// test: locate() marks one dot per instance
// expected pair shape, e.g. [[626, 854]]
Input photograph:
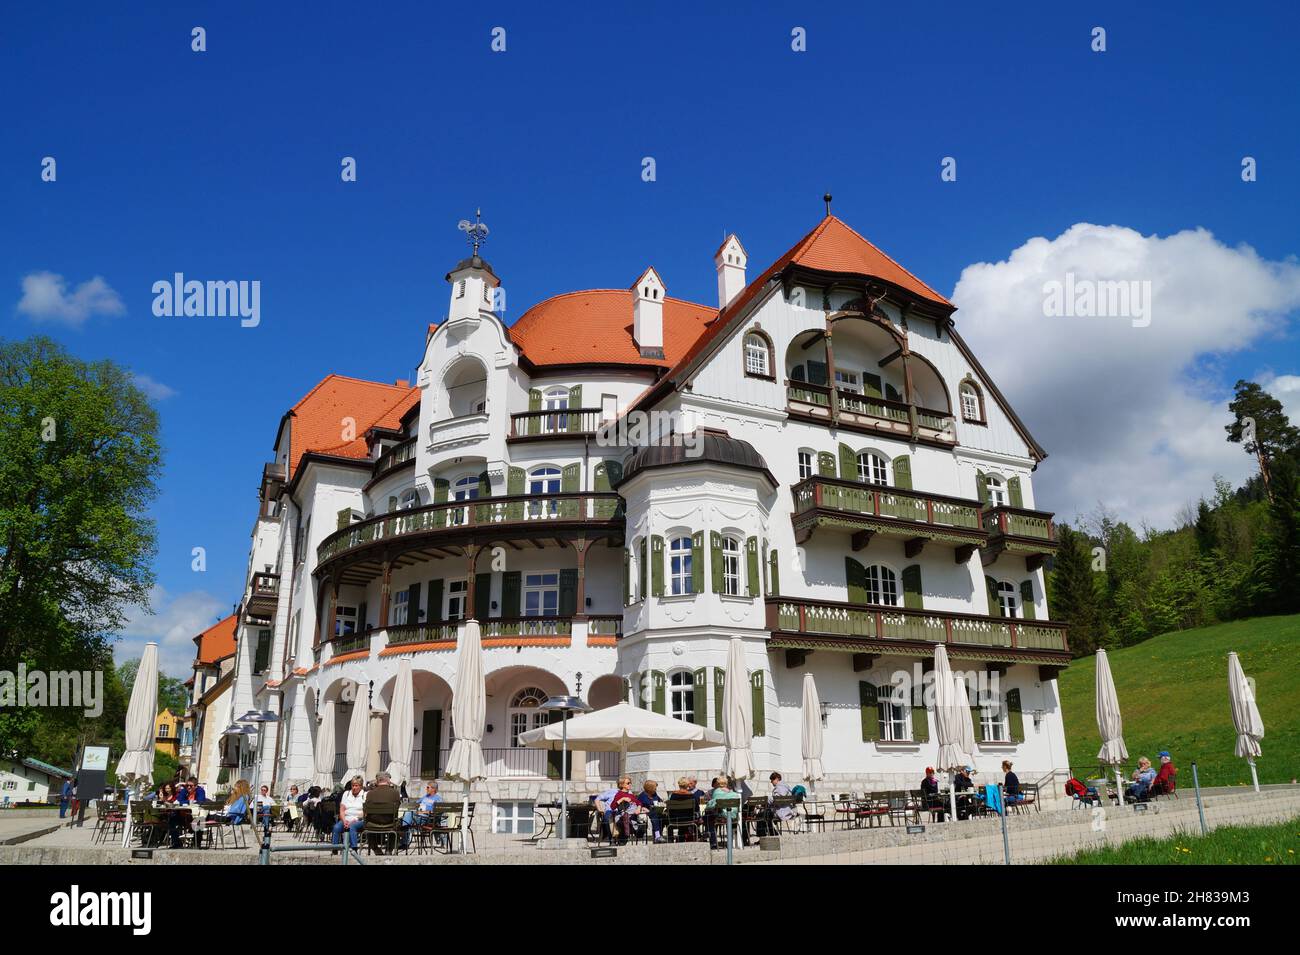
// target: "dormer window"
[[972, 402], [758, 355]]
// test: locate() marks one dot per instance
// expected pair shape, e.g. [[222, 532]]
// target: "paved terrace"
[[1034, 837]]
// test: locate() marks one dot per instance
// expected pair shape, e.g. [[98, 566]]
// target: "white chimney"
[[730, 260], [648, 314]]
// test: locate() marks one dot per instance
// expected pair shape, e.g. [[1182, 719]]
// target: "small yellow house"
[[167, 733]]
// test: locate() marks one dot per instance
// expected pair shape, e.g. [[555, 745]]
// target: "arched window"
[[466, 489], [731, 585], [525, 713], [410, 499], [873, 468], [758, 355], [997, 490], [972, 401], [679, 566], [807, 464], [1008, 599], [555, 399], [894, 714], [882, 586], [681, 697], [544, 480]]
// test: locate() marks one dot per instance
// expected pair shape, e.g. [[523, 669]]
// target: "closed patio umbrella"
[[401, 724], [946, 727], [469, 716], [324, 756], [738, 721], [1109, 723], [358, 747], [136, 765], [965, 720], [1245, 716], [810, 741]]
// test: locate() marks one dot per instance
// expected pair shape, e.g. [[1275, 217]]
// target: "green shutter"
[[484, 484], [826, 465], [575, 402], [570, 483], [995, 605], [920, 724], [870, 716], [1027, 599], [855, 576], [440, 487], [903, 472], [848, 463], [434, 614], [977, 726], [482, 596], [751, 566], [515, 481], [871, 385], [660, 686], [758, 704], [343, 518], [715, 560], [656, 566], [697, 562], [569, 592], [262, 655], [700, 698], [891, 393], [773, 573], [392, 503], [719, 689], [627, 577], [510, 593], [1013, 492], [555, 759], [643, 571], [816, 372], [982, 487], [1015, 718], [912, 591], [413, 603], [627, 690], [534, 404], [361, 617]]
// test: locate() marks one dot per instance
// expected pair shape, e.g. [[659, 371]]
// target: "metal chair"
[[681, 817]]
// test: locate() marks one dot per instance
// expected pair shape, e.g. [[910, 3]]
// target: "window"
[[345, 620], [873, 468], [892, 712], [514, 818], [758, 359], [805, 465], [993, 723], [608, 407], [525, 714], [544, 481], [679, 566], [970, 403], [410, 499], [262, 651], [294, 624], [541, 595], [731, 567], [847, 381], [997, 490], [882, 586], [466, 489], [460, 289], [682, 696], [1009, 599], [457, 591], [555, 399], [401, 607], [163, 730]]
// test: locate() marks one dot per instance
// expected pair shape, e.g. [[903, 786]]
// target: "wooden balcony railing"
[[605, 625], [464, 516], [408, 633], [895, 504], [892, 416], [351, 643], [263, 594], [1018, 522], [556, 423], [395, 456], [869, 622]]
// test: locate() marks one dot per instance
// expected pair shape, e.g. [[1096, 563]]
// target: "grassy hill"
[[1173, 692]]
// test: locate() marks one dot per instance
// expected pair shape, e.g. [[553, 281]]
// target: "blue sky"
[[225, 165]]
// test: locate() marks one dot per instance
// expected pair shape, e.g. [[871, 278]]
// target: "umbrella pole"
[[126, 828], [464, 820], [1119, 785], [564, 778], [952, 795], [1254, 776]]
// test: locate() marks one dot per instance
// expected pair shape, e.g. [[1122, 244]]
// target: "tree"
[[1261, 427], [1073, 596], [1278, 564], [172, 693], [79, 456]]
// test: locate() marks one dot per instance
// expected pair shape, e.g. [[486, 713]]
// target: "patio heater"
[[564, 705], [259, 718]]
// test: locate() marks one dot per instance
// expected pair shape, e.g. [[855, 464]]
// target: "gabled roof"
[[835, 247], [216, 643], [46, 768], [316, 424]]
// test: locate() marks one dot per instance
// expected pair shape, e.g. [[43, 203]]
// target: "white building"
[[828, 474]]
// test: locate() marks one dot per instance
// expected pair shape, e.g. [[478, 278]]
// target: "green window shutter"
[[816, 372], [1013, 492], [643, 571], [627, 690], [773, 573], [392, 503], [719, 688], [575, 402], [912, 591], [515, 479], [848, 463], [697, 562], [440, 489], [656, 566], [510, 594], [751, 566], [855, 575], [715, 560], [435, 602], [700, 699], [534, 404], [262, 655], [982, 487], [870, 715], [903, 472], [615, 471], [871, 385], [995, 605], [891, 393], [920, 724], [484, 484], [1015, 718], [361, 618], [601, 478], [1027, 599], [757, 701], [797, 373], [826, 465], [343, 518], [482, 596], [570, 483], [569, 592], [413, 603], [977, 726], [660, 686], [627, 577]]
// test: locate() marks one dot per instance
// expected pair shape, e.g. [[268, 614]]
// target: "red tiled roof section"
[[834, 247], [217, 642], [596, 327], [319, 418]]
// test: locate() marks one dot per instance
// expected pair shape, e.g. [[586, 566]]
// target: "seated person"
[[383, 801], [191, 793], [264, 804], [623, 807], [291, 800], [962, 783], [779, 788], [1165, 782], [713, 813], [647, 798], [352, 813], [1011, 784], [701, 795], [1077, 790], [930, 793], [1143, 777]]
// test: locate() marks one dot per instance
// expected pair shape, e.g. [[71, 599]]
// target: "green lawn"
[[1173, 692], [1229, 845]]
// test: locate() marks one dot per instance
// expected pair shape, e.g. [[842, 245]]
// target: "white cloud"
[[154, 389], [1131, 417], [1286, 389], [173, 625], [46, 299]]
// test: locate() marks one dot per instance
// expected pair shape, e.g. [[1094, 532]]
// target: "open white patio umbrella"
[[810, 741], [469, 716], [358, 748], [401, 724], [324, 756], [623, 728], [1109, 723], [1245, 716], [946, 727], [136, 765], [738, 722]]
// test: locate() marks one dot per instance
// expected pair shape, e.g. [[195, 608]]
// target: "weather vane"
[[476, 231]]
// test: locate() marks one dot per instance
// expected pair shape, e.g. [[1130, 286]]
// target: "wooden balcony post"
[[817, 493], [1002, 521], [947, 629], [471, 559], [803, 618], [332, 621], [1015, 629], [830, 378], [384, 592], [580, 610], [875, 503], [929, 510]]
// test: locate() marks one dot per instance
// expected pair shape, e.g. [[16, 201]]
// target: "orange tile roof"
[[318, 419], [595, 327], [217, 642], [834, 247]]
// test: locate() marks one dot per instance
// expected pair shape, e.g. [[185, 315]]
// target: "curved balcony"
[[601, 630], [1015, 530], [462, 431]]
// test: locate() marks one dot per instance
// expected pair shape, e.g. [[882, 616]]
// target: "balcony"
[[824, 404], [534, 517], [572, 422], [263, 595], [394, 457], [1014, 530], [866, 510], [462, 431], [802, 626], [602, 630]]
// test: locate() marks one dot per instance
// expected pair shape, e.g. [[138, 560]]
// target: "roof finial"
[[476, 231], [827, 199]]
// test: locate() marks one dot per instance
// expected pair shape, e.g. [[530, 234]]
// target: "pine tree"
[[1074, 597], [1261, 427]]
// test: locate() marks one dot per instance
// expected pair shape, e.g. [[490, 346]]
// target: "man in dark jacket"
[[384, 801]]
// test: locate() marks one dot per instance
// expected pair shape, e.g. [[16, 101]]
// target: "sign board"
[[1141, 807], [95, 758], [915, 830], [604, 853], [141, 853]]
